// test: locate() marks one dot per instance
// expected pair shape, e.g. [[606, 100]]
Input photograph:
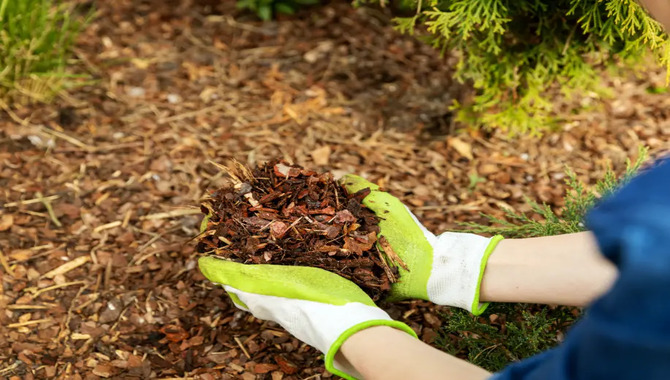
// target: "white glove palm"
[[320, 308]]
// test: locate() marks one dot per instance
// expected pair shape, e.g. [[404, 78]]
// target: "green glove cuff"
[[330, 356], [477, 307]]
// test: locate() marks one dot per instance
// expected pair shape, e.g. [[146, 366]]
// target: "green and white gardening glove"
[[446, 269], [318, 307]]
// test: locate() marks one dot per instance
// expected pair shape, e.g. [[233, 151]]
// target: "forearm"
[[386, 353], [564, 269]]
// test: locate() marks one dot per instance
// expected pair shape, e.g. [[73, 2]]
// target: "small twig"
[[29, 323], [154, 238], [126, 218], [12, 115], [108, 276], [34, 213], [390, 253], [486, 349], [36, 256], [107, 226], [50, 210], [11, 368], [93, 298], [70, 265], [31, 201], [5, 264], [69, 139], [337, 197], [223, 239], [171, 214], [28, 307], [244, 350], [36, 293], [387, 268]]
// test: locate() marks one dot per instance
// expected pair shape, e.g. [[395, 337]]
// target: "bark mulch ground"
[[101, 190]]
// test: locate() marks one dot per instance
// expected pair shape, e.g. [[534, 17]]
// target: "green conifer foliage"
[[267, 9], [514, 52], [544, 221]]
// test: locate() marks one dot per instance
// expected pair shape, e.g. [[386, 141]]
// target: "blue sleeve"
[[625, 334]]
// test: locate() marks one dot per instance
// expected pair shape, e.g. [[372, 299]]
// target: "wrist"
[[478, 306], [357, 350], [352, 343]]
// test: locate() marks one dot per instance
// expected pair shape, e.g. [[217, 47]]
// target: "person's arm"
[[466, 270], [387, 353], [564, 270]]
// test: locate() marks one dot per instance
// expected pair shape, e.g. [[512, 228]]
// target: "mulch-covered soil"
[[100, 191]]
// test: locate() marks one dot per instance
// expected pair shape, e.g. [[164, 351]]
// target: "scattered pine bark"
[[287, 215], [118, 175]]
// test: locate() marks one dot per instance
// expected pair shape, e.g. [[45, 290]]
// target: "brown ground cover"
[[101, 190]]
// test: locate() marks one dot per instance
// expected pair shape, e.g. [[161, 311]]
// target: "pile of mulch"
[[287, 215]]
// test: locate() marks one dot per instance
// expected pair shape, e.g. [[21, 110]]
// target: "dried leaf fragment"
[[463, 148], [174, 333], [345, 216], [286, 366], [321, 156], [6, 222]]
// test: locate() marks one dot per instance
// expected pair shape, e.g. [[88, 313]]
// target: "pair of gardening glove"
[[323, 309]]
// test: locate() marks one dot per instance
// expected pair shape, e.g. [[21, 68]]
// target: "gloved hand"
[[318, 307], [446, 269]]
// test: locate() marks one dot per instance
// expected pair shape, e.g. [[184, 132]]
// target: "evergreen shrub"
[[518, 54]]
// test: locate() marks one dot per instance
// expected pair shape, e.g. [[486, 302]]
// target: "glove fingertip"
[[354, 183]]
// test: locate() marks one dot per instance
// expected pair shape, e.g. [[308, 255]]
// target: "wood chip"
[[321, 156], [6, 222], [5, 265], [70, 265], [390, 253], [463, 148]]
